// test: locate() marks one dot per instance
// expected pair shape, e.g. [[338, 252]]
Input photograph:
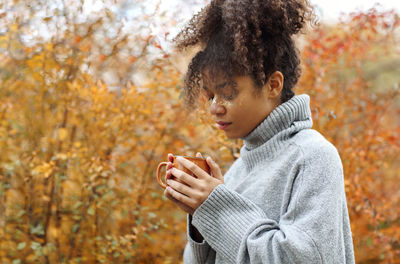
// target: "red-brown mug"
[[201, 162]]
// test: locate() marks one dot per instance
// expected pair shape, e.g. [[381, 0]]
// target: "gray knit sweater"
[[283, 200]]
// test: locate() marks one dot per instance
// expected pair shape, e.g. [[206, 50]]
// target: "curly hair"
[[244, 37]]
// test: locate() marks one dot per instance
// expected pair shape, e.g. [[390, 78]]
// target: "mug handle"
[[160, 182]]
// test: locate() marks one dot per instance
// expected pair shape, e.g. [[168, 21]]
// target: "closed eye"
[[229, 98], [221, 87]]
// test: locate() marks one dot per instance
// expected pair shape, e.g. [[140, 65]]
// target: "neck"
[[285, 120]]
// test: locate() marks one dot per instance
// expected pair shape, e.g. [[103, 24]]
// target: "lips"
[[223, 125]]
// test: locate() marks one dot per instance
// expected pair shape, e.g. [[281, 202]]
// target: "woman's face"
[[238, 113]]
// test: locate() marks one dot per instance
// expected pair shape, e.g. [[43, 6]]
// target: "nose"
[[217, 108]]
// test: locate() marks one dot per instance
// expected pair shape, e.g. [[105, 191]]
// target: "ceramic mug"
[[201, 162]]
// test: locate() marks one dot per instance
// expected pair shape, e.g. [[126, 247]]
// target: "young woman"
[[283, 200]]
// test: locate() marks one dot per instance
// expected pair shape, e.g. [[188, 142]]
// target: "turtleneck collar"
[[285, 120]]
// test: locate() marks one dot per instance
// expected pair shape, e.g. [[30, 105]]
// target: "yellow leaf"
[[49, 46], [62, 134], [44, 169], [14, 27], [61, 156], [37, 76]]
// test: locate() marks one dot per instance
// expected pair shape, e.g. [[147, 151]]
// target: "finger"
[[215, 170], [182, 188], [170, 157], [168, 195], [169, 165], [200, 173], [183, 177], [184, 207], [180, 197], [199, 155], [168, 174]]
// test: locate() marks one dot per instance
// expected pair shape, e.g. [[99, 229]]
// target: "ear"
[[275, 85]]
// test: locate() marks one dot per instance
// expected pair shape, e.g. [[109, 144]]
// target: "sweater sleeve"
[[309, 231], [195, 252]]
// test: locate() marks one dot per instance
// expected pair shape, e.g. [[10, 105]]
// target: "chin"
[[230, 136]]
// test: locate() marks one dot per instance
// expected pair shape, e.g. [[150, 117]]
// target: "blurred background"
[[90, 103]]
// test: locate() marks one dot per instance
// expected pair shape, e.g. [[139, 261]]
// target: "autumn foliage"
[[358, 110], [77, 170]]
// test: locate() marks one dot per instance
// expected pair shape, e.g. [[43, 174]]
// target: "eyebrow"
[[218, 86]]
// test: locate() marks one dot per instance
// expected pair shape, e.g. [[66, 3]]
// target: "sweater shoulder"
[[320, 162], [315, 146]]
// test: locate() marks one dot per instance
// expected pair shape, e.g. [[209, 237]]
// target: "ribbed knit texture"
[[283, 200], [280, 125], [200, 251]]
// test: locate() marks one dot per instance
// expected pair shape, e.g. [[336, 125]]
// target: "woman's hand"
[[183, 206], [191, 192]]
